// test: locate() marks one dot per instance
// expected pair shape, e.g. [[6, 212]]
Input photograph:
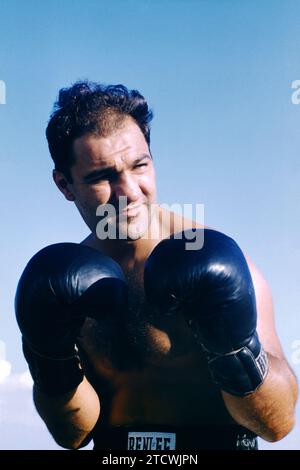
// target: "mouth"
[[131, 211]]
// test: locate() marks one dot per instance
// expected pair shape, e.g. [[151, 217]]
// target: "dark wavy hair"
[[88, 107]]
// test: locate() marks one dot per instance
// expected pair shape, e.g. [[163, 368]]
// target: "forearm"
[[70, 417], [268, 412]]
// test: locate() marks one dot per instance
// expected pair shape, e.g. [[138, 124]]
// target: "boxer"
[[132, 339]]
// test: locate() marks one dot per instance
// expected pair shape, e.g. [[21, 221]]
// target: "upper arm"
[[266, 328]]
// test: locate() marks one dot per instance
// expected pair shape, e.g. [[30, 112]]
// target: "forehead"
[[124, 143]]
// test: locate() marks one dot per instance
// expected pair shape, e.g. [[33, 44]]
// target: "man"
[[177, 348]]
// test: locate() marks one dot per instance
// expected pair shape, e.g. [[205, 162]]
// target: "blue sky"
[[218, 74]]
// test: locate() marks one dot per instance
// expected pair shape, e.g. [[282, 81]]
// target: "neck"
[[126, 252]]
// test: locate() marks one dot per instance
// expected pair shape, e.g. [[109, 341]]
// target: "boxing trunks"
[[164, 438]]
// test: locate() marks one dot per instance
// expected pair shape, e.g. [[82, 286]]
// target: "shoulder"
[[172, 222], [87, 241], [91, 242]]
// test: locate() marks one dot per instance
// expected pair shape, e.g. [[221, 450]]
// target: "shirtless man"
[[175, 348]]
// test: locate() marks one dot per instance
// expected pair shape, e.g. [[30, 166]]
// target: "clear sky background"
[[218, 74]]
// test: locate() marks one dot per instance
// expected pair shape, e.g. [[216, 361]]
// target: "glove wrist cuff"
[[240, 372], [53, 376]]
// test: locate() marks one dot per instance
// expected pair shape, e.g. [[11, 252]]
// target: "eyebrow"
[[110, 170]]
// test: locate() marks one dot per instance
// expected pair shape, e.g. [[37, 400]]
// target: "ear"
[[63, 185]]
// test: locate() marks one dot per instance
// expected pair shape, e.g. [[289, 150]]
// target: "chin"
[[132, 232], [137, 227]]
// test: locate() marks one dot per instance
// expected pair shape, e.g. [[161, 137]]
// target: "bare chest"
[[149, 369], [141, 340]]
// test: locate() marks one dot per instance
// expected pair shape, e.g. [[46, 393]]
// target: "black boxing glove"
[[212, 287], [60, 286]]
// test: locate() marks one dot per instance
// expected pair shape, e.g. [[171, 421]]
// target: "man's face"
[[107, 168]]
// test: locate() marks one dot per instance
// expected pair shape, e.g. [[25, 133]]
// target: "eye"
[[141, 165], [104, 178], [97, 180]]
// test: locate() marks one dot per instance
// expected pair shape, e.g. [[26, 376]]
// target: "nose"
[[127, 186]]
